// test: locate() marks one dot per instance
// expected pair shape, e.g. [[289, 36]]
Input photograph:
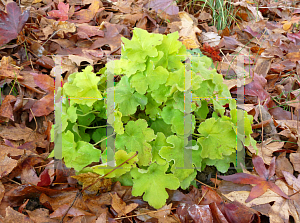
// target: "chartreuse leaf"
[[136, 138], [183, 158], [202, 110], [115, 120], [120, 157], [137, 49], [160, 126], [153, 77], [161, 94], [173, 52], [217, 138], [180, 101], [82, 87], [84, 155], [156, 76], [153, 183], [152, 107], [77, 155], [177, 78], [127, 99], [187, 181], [72, 115], [176, 118], [128, 67], [139, 82], [240, 116], [157, 144]]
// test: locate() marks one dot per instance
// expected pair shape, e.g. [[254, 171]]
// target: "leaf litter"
[[86, 32]]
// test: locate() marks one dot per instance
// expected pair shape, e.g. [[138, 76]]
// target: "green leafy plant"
[[148, 117]]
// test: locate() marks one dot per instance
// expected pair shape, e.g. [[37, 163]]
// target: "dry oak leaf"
[[187, 30], [86, 15], [15, 216], [84, 31], [120, 206], [11, 22], [266, 149], [112, 36], [40, 215], [60, 212], [45, 105], [16, 133], [295, 159], [263, 181], [6, 165]]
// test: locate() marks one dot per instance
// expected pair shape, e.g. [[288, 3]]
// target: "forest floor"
[[253, 44]]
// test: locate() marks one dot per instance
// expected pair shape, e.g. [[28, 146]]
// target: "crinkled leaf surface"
[[136, 138], [82, 87], [218, 138], [176, 118], [157, 144], [153, 183], [77, 155], [128, 99], [137, 49], [184, 159]]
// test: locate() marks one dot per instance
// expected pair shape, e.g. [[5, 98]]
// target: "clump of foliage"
[[149, 115]]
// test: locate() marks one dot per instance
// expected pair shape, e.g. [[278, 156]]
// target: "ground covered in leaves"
[[261, 41]]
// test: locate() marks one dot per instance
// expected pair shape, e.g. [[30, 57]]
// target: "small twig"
[[77, 194], [135, 215], [294, 193], [202, 197]]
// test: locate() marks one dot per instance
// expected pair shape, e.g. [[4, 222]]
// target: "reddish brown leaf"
[[84, 31], [194, 213], [11, 22], [86, 15], [45, 82], [6, 109], [72, 212], [120, 206], [61, 13], [14, 216], [236, 212], [43, 107], [263, 181]]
